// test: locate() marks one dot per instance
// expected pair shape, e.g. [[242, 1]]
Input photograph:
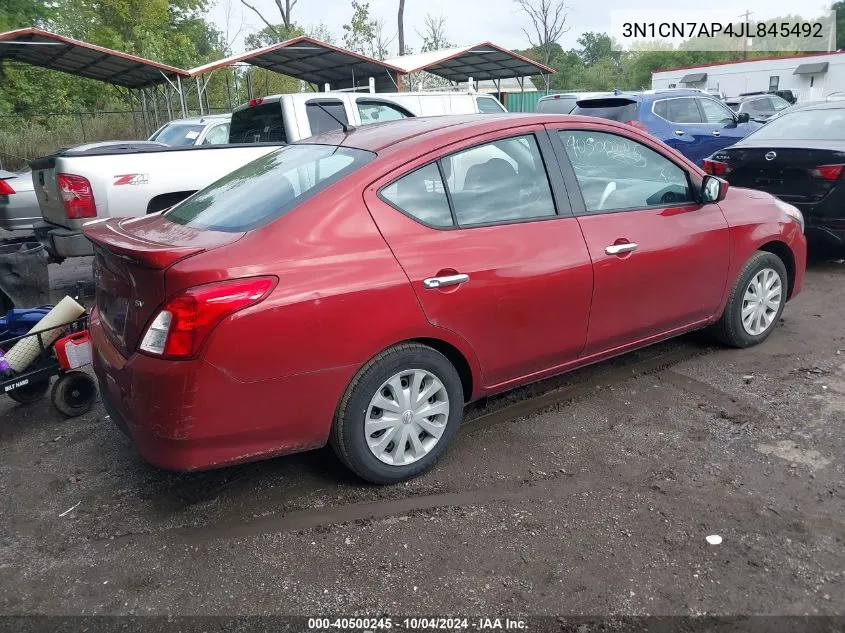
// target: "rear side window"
[[488, 105], [267, 188], [681, 110], [421, 195], [218, 135], [561, 105], [379, 112], [325, 116], [615, 109], [258, 124]]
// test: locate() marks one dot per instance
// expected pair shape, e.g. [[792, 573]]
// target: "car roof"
[[197, 120], [397, 134], [822, 105]]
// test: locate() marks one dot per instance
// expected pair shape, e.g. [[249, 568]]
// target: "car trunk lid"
[[131, 257], [786, 172]]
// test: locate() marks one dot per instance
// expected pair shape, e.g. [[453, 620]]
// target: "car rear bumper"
[[191, 415], [62, 243]]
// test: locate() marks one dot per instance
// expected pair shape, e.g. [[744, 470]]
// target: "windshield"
[[258, 124], [804, 125], [268, 187], [178, 134]]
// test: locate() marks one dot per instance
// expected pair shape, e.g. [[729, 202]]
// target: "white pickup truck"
[[102, 180]]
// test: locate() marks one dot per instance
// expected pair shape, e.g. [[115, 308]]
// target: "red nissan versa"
[[359, 288]]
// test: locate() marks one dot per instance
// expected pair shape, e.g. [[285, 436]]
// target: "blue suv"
[[692, 122]]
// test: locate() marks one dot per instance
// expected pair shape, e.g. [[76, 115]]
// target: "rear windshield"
[[267, 188], [178, 135], [733, 105], [623, 110], [804, 125], [560, 105], [258, 124]]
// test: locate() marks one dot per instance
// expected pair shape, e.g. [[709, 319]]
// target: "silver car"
[[18, 205]]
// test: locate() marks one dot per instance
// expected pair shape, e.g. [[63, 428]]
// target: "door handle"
[[679, 132], [717, 133], [618, 249], [448, 280]]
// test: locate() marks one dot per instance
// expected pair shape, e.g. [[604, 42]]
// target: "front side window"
[[325, 116], [421, 195], [268, 187], [488, 105], [379, 112], [715, 112], [502, 181], [616, 173]]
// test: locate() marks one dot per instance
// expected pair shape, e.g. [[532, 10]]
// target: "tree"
[[548, 21], [21, 13], [594, 46], [839, 7], [381, 42], [360, 33], [401, 27], [434, 34], [285, 7]]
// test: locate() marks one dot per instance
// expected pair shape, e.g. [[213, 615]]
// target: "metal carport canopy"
[[482, 61], [41, 48], [316, 62]]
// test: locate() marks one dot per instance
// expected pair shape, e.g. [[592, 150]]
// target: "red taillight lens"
[[639, 125], [716, 167], [827, 172], [6, 188], [77, 196], [183, 324]]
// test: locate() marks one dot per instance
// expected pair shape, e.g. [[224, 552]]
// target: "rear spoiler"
[[107, 234]]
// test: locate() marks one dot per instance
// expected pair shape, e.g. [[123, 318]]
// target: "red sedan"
[[359, 288]]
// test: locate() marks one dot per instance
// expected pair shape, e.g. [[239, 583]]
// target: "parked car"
[[360, 288], [563, 103], [103, 180], [760, 107], [18, 204], [786, 95], [291, 117], [689, 121], [800, 158], [97, 181], [210, 129]]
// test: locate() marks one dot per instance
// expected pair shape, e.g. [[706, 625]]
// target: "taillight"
[[180, 328], [6, 188], [827, 172], [77, 196], [639, 125], [716, 167]]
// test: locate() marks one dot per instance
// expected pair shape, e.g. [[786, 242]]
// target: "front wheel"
[[399, 414], [755, 303]]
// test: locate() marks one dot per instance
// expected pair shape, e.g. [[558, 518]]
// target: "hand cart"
[[74, 392]]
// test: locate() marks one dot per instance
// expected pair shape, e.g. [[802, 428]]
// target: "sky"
[[471, 21]]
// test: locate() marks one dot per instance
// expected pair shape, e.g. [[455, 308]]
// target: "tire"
[[425, 367], [730, 329], [74, 393], [30, 393]]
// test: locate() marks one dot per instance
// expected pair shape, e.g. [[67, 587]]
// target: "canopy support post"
[[154, 93], [182, 103], [144, 116], [199, 95]]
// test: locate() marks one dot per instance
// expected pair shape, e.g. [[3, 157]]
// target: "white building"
[[809, 77]]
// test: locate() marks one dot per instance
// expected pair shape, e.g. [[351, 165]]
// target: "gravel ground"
[[597, 504]]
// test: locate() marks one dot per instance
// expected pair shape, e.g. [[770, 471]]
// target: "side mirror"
[[713, 189], [743, 117]]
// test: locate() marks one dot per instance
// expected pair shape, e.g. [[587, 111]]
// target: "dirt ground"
[[598, 503]]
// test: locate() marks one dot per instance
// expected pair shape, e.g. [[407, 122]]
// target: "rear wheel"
[[30, 393], [399, 414], [74, 393], [755, 303]]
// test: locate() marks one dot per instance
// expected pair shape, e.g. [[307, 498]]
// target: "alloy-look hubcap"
[[761, 302], [406, 417]]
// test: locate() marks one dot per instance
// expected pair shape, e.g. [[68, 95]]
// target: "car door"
[[724, 128], [492, 249], [660, 258], [684, 128]]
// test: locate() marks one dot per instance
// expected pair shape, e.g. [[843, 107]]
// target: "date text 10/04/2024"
[[372, 625]]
